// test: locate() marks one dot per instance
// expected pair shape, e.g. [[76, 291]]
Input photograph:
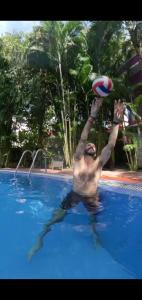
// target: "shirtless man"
[[87, 171]]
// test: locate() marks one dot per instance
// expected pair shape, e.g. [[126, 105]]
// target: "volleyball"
[[102, 86]]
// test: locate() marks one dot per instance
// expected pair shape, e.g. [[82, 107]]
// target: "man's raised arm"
[[117, 119], [89, 124]]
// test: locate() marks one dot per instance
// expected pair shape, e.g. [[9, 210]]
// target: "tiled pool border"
[[118, 186]]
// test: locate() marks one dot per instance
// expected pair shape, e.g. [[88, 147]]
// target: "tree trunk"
[[63, 115]]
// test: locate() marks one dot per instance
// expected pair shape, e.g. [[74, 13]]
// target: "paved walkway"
[[117, 174]]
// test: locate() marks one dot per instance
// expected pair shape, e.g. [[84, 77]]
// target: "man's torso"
[[85, 177]]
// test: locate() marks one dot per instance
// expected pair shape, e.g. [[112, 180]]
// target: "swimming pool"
[[69, 250]]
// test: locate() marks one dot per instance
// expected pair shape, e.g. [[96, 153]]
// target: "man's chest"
[[84, 171]]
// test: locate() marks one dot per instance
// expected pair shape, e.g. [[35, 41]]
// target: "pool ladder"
[[33, 162], [23, 154], [34, 156]]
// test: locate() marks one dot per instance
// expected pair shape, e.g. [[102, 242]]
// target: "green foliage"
[[131, 147], [28, 140], [138, 100]]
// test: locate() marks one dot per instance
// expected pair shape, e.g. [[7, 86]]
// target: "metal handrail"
[[21, 159], [33, 162]]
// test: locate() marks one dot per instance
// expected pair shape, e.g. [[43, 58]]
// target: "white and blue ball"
[[102, 86]]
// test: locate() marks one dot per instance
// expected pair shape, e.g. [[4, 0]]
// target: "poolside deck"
[[118, 174]]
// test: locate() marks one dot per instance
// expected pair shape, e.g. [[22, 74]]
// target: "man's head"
[[90, 149]]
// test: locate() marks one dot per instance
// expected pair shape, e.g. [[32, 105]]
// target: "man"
[[86, 172]]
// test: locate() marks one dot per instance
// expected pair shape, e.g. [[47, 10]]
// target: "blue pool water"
[[69, 249]]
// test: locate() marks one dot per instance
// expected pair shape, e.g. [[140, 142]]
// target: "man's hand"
[[118, 112], [96, 106]]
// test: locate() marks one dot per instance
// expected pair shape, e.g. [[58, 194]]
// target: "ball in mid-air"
[[102, 86]]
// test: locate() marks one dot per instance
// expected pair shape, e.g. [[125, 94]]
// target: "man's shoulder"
[[78, 158]]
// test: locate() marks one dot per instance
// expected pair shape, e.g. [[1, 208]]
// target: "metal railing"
[[33, 162], [23, 154]]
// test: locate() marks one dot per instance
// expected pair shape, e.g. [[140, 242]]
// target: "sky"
[[16, 26]]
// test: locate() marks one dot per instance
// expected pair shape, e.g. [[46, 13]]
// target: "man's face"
[[90, 149]]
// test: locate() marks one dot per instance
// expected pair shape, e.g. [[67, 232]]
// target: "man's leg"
[[92, 205], [96, 238], [58, 216]]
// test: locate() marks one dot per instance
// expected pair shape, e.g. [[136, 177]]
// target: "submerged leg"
[[58, 216], [92, 205], [96, 238], [70, 200]]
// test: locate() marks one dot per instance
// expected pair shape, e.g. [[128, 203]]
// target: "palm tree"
[[59, 43]]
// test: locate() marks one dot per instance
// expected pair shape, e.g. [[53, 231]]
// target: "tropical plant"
[[131, 145]]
